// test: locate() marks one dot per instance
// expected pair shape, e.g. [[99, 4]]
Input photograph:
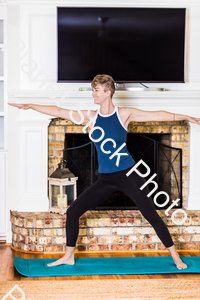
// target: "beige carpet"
[[102, 289]]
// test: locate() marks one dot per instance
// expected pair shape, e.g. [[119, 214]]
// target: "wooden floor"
[[8, 272]]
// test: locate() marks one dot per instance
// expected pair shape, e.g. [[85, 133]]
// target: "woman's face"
[[99, 94]]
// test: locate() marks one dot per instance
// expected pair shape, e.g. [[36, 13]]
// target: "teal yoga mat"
[[106, 265]]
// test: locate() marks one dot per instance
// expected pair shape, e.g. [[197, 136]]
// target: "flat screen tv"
[[130, 44]]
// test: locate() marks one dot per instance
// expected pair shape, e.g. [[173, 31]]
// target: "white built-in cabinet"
[[2, 114], [3, 150]]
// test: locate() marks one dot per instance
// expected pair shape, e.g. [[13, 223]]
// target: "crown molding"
[[92, 3]]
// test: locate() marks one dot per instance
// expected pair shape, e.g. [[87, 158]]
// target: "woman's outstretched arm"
[[134, 114], [56, 111]]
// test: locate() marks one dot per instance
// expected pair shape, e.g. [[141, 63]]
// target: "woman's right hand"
[[21, 106]]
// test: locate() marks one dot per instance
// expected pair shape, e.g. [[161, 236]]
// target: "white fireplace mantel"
[[33, 139], [127, 98]]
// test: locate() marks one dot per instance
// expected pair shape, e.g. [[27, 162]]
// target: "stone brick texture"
[[130, 231]]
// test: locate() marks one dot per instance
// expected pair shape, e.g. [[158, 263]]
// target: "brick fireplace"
[[107, 230], [173, 134]]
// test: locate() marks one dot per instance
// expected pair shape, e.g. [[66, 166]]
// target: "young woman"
[[112, 122]]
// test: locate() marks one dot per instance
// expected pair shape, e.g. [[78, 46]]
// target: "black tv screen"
[[130, 44]]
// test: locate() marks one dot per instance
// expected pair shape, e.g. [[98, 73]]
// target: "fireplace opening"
[[153, 149]]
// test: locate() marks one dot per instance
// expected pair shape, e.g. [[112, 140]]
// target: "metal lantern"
[[62, 188]]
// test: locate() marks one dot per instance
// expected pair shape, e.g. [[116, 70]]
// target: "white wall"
[[31, 51]]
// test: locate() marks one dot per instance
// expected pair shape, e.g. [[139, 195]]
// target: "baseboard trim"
[[119, 252], [2, 241]]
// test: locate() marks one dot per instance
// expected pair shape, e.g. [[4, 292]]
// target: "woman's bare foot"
[[62, 261], [178, 262], [67, 259]]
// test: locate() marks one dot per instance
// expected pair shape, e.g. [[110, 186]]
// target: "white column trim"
[[193, 200]]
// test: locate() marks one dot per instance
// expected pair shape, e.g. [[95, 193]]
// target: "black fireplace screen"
[[164, 160]]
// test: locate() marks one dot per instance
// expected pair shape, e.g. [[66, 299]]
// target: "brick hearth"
[[102, 231]]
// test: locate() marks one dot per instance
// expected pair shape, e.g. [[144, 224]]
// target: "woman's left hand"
[[193, 120]]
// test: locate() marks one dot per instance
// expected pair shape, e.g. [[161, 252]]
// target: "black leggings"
[[102, 189]]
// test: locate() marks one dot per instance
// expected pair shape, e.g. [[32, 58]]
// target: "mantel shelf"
[[124, 94], [72, 98]]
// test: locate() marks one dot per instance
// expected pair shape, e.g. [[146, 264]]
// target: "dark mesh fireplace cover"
[[162, 159]]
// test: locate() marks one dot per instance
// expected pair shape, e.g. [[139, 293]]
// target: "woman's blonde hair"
[[106, 81]]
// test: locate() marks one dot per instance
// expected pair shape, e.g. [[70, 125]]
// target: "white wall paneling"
[[33, 166], [2, 194], [1, 132]]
